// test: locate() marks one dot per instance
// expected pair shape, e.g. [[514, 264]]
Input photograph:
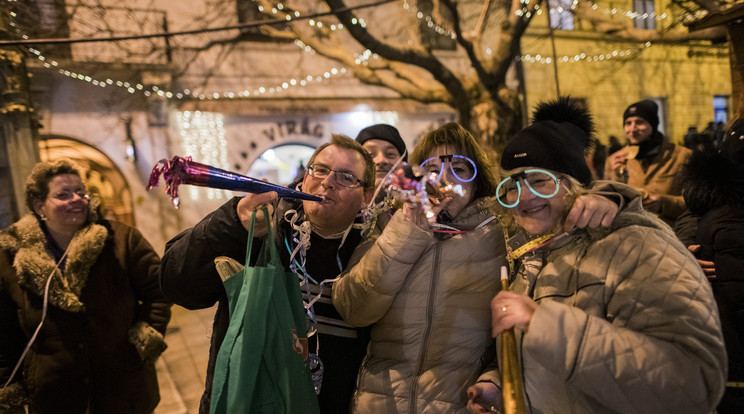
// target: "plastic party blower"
[[180, 170]]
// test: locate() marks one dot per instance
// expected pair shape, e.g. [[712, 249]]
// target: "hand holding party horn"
[[411, 183], [181, 170]]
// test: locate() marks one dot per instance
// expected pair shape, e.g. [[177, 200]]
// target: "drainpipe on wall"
[[18, 131]]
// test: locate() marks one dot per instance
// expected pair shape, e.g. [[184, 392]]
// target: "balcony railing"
[[98, 22]]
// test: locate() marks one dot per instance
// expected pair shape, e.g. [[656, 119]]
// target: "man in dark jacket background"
[[714, 192]]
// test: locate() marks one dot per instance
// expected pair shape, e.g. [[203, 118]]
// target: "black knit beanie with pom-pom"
[[556, 140]]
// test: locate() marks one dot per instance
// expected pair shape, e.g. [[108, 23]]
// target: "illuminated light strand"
[[613, 11], [304, 47], [523, 11], [187, 93], [615, 54], [289, 16], [558, 9], [359, 58], [319, 24], [553, 10], [363, 58], [430, 23], [251, 24]]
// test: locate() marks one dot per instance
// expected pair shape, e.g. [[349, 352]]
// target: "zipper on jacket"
[[427, 331]]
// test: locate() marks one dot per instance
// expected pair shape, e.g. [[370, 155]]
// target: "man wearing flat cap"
[[654, 168]]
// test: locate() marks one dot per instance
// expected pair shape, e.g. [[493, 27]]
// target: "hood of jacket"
[[33, 263], [712, 180]]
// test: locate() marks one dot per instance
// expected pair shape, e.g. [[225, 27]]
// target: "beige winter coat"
[[625, 323], [428, 298], [658, 175]]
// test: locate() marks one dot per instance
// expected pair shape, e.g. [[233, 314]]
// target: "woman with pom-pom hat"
[[615, 319]]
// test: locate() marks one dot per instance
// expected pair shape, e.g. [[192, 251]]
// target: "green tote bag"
[[262, 366]]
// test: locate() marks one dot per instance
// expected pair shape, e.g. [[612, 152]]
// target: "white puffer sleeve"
[[365, 292]]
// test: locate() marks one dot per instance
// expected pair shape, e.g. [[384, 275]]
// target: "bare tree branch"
[[423, 59], [487, 33], [402, 78]]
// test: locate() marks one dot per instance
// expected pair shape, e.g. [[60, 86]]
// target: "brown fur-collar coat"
[[104, 322], [33, 263]]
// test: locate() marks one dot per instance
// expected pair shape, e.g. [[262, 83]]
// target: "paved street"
[[182, 367]]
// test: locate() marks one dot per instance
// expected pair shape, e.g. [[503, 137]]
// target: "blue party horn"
[[180, 170]]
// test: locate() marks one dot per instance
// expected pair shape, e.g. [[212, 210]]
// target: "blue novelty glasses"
[[542, 183], [461, 167]]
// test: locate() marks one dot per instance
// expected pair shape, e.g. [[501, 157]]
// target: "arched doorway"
[[103, 176], [282, 164]]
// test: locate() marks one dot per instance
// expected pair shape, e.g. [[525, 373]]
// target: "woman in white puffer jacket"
[[426, 289]]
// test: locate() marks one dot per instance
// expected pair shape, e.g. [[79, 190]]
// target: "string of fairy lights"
[[188, 93], [359, 58], [613, 12], [430, 22], [583, 57], [279, 8]]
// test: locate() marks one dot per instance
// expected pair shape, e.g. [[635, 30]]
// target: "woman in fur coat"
[[714, 190], [81, 295]]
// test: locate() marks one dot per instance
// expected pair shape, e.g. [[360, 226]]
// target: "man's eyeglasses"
[[343, 178], [462, 167], [69, 195], [541, 183]]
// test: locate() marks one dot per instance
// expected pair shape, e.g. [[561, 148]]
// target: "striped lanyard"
[[513, 255]]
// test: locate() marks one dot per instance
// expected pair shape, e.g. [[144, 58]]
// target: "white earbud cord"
[[38, 328]]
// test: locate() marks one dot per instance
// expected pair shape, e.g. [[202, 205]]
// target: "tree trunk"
[[493, 127]]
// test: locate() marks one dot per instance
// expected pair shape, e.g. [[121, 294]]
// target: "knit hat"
[[646, 109], [386, 133], [556, 140]]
